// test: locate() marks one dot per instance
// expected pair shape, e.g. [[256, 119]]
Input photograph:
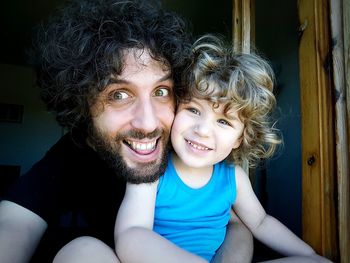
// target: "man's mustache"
[[139, 134]]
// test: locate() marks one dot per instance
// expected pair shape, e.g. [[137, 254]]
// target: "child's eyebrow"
[[192, 101], [231, 116]]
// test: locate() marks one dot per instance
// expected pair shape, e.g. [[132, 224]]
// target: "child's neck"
[[194, 177]]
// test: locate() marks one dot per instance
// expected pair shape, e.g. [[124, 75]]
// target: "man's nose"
[[145, 117]]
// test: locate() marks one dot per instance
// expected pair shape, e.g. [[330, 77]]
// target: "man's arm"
[[20, 232], [238, 245]]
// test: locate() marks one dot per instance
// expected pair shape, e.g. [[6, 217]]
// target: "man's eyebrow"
[[116, 81], [166, 77]]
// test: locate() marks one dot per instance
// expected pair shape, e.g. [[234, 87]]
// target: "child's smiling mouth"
[[198, 146]]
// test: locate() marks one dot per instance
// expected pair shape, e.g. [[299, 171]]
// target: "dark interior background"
[[18, 17], [27, 130]]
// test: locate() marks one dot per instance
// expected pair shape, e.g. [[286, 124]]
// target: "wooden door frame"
[[325, 110], [318, 151]]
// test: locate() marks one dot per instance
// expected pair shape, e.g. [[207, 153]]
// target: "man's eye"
[[162, 92], [224, 122], [193, 110], [120, 95]]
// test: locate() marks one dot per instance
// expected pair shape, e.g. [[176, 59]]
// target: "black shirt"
[[74, 191]]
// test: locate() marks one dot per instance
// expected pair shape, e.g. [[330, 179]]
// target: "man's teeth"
[[196, 146], [137, 146]]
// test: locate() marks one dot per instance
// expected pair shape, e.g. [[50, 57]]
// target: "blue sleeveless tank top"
[[195, 219]]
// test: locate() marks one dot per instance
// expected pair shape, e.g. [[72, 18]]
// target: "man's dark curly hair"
[[82, 46]]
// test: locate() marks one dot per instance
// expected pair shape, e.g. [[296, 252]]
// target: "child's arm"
[[265, 228], [134, 238]]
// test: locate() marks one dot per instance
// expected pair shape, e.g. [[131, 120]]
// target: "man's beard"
[[109, 149]]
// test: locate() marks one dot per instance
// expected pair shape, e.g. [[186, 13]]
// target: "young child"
[[223, 122]]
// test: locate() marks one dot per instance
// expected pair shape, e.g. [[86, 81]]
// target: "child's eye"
[[193, 110], [161, 92], [119, 95], [224, 122]]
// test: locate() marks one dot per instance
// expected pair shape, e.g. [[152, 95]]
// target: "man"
[[110, 71]]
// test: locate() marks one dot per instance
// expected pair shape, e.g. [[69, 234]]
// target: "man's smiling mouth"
[[142, 147]]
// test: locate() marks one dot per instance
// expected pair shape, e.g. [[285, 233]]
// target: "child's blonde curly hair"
[[243, 82]]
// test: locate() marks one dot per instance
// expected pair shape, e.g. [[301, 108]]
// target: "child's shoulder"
[[235, 167], [224, 167], [239, 169], [241, 176]]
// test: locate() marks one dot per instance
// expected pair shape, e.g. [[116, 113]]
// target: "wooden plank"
[[237, 25], [346, 29], [246, 26], [241, 34], [241, 24], [341, 123], [319, 225], [340, 32], [252, 24]]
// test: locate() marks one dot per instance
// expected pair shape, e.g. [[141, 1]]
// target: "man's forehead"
[[140, 66], [136, 59]]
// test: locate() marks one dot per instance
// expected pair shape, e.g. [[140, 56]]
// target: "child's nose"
[[203, 128]]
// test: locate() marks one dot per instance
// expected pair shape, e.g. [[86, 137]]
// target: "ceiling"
[[18, 17]]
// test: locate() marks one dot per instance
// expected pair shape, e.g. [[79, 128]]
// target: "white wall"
[[24, 143]]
